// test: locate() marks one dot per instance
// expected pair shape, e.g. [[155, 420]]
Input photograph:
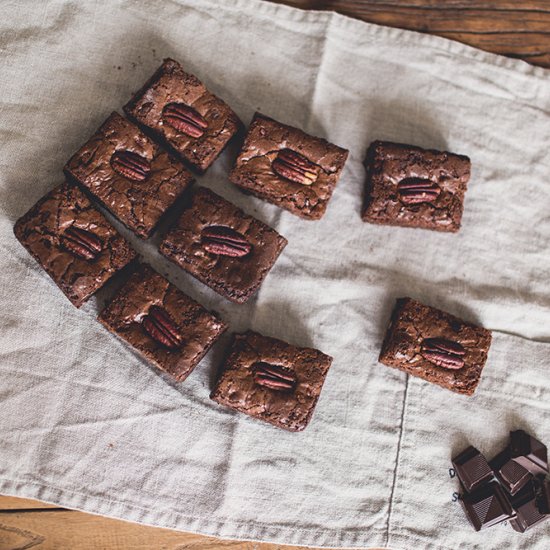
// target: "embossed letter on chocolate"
[[219, 239], [83, 244], [184, 119], [443, 353], [274, 377], [295, 167], [161, 327], [130, 165]]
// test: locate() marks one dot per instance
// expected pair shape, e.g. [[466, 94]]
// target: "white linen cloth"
[[86, 424]]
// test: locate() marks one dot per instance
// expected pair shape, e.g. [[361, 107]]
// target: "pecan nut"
[[219, 239], [81, 243], [417, 191], [443, 353], [295, 167], [161, 327], [130, 165], [185, 119], [274, 377]]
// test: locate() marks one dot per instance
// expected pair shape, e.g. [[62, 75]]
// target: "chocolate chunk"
[[529, 452], [472, 468], [487, 506], [526, 505], [513, 476], [543, 497]]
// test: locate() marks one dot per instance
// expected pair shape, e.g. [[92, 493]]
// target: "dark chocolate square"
[[177, 108], [222, 247], [472, 468], [162, 323], [513, 477], [529, 452], [74, 243], [543, 497], [272, 380], [129, 174], [487, 506], [287, 167], [413, 187], [434, 345], [527, 515]]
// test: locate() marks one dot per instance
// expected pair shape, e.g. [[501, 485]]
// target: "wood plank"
[[15, 503], [494, 5], [515, 29], [54, 530]]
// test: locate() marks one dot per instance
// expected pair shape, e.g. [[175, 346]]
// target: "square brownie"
[[162, 323], [287, 167], [414, 187], [129, 174], [74, 243], [426, 342], [222, 247], [176, 107], [272, 380]]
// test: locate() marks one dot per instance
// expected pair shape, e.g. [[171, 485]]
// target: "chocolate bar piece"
[[529, 452], [526, 505], [487, 506], [543, 498], [472, 468], [513, 476]]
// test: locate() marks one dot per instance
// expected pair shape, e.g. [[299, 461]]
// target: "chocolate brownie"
[[176, 107], [162, 323], [287, 167], [222, 247], [78, 248], [426, 342], [129, 174], [272, 380], [414, 187]]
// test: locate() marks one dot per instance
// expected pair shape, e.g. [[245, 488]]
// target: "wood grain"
[[26, 524], [519, 29]]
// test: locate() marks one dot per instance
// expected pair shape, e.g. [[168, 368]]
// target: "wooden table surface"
[[516, 28]]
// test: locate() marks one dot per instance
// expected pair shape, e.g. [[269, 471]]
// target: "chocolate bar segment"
[[513, 477], [472, 468], [526, 505], [543, 498], [487, 506], [529, 452]]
